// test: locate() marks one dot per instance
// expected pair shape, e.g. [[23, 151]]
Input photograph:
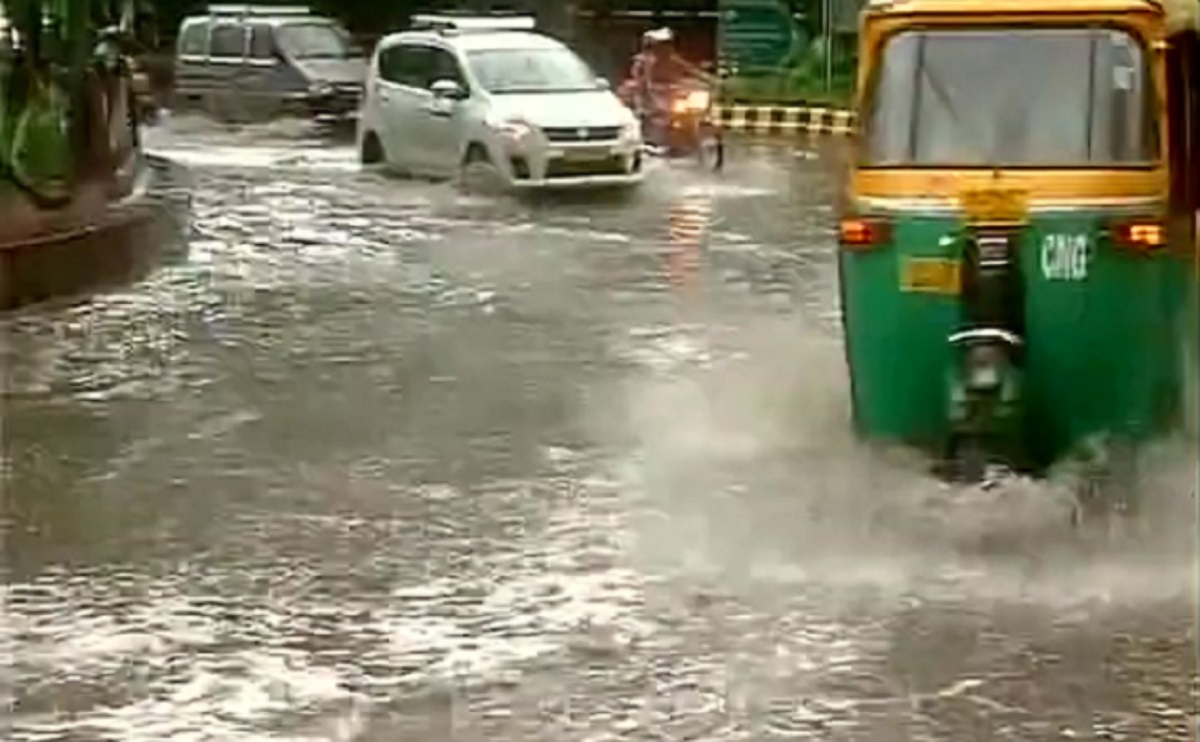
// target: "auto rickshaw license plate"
[[995, 205], [931, 276]]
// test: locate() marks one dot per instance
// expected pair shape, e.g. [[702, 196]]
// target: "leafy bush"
[[788, 88], [802, 82]]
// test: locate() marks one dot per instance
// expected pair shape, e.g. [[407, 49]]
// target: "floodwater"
[[383, 462]]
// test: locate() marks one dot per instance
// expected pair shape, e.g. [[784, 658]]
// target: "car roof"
[[477, 40], [261, 20]]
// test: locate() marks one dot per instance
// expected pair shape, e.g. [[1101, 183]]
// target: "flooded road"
[[386, 463]]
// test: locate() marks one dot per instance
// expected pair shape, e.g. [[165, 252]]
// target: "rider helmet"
[[657, 36]]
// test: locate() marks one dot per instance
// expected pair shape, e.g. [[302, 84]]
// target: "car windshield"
[[313, 41], [531, 71], [1011, 97]]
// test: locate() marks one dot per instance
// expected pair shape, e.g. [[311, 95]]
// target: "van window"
[[228, 42], [193, 40], [260, 43], [407, 64], [314, 41]]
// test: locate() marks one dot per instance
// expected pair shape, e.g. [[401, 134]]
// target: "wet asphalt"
[[385, 462]]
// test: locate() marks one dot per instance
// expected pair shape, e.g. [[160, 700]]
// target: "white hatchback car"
[[456, 92]]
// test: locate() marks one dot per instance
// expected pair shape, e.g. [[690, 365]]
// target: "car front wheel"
[[478, 174]]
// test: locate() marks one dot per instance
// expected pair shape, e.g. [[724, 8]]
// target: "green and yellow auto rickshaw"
[[1019, 238]]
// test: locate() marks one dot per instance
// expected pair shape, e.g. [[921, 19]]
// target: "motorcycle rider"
[[657, 69]]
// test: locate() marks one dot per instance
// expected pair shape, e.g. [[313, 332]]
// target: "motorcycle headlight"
[[696, 101], [699, 100]]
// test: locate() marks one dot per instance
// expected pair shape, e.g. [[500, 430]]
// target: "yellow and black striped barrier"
[[784, 120]]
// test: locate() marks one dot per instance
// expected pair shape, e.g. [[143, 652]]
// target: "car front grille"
[[614, 165], [582, 133]]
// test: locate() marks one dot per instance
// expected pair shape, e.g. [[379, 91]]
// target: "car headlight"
[[320, 88], [512, 130], [631, 130]]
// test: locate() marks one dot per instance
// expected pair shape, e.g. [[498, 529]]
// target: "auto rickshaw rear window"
[[1068, 97]]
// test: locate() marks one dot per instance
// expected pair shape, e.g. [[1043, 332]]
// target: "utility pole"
[[827, 18]]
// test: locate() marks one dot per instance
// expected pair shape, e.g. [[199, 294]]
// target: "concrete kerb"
[[784, 120]]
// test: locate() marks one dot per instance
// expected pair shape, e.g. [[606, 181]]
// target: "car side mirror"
[[448, 90], [603, 84]]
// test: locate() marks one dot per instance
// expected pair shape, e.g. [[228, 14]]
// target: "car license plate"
[[995, 205], [587, 154], [931, 276]]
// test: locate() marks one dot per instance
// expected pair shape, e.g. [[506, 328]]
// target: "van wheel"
[[219, 109], [477, 173], [371, 151]]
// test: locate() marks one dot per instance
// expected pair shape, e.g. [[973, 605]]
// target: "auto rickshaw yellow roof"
[[1180, 14]]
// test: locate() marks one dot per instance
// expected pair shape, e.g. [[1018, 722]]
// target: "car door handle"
[[434, 110]]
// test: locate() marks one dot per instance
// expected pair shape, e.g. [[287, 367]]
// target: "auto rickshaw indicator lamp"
[[1139, 235], [857, 233]]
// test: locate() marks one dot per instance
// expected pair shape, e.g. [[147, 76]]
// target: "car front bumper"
[[340, 104], [581, 181], [543, 164]]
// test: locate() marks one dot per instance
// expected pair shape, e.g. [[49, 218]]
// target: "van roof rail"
[[444, 23], [264, 10]]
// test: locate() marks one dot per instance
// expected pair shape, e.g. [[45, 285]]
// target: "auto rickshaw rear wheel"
[[1107, 494]]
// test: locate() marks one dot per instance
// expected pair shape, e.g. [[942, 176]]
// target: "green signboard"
[[757, 35]]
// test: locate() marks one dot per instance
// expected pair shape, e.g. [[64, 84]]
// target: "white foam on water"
[[721, 189], [251, 157], [748, 452], [190, 687]]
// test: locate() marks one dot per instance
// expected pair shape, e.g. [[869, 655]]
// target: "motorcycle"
[[684, 127]]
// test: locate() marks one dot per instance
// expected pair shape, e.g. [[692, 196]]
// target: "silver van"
[[248, 62]]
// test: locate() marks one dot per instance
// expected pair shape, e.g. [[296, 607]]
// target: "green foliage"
[[822, 74], [788, 90]]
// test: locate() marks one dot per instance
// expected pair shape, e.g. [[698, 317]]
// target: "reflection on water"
[[382, 463]]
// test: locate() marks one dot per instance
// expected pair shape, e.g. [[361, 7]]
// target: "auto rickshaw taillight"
[[1144, 235], [856, 233]]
